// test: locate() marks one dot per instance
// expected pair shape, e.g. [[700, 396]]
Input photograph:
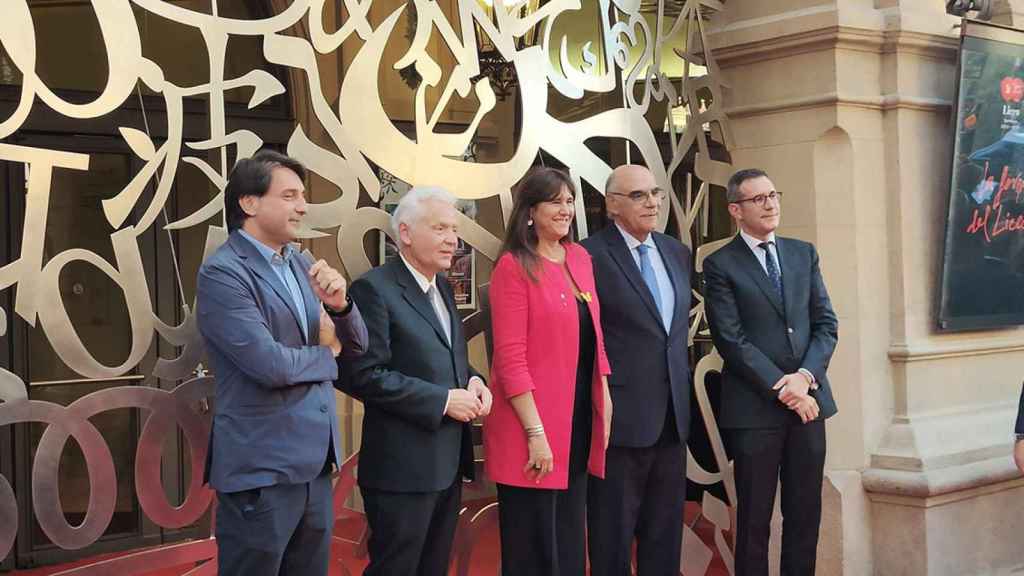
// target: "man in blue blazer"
[[274, 351], [643, 283]]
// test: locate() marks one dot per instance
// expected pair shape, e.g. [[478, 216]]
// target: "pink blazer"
[[536, 347]]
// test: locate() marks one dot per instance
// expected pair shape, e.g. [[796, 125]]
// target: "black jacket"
[[761, 339], [650, 368], [403, 379]]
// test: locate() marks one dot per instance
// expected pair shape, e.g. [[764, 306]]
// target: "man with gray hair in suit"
[[275, 327], [419, 392]]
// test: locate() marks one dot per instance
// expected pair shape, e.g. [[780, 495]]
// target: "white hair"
[[410, 207]]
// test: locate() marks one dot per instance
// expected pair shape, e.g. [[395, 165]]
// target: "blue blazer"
[[274, 419]]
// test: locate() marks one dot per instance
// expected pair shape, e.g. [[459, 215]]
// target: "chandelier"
[[494, 66]]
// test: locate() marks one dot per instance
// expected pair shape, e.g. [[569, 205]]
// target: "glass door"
[[96, 307]]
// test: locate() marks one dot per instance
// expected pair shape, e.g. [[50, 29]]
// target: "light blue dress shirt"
[[279, 264], [668, 292]]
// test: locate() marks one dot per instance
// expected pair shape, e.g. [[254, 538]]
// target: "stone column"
[[847, 106]]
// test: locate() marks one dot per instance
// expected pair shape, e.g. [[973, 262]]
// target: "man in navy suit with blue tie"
[[772, 321], [274, 350], [643, 283]]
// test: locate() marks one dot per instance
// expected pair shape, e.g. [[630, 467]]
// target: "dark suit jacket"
[[403, 380], [760, 339], [650, 368], [274, 420]]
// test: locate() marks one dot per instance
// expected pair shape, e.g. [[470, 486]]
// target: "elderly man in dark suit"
[[643, 283], [419, 392], [274, 353], [773, 324]]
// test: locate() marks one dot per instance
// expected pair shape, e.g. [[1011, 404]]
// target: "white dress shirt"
[[755, 247], [440, 308]]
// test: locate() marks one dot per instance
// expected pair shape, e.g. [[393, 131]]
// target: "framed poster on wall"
[[982, 283]]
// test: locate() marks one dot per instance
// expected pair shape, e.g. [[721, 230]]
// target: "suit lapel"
[[753, 268], [580, 269], [417, 298], [789, 270], [621, 255], [458, 343], [449, 302], [259, 265], [300, 267], [681, 288]]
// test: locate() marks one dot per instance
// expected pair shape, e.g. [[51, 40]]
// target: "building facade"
[[860, 130], [120, 120]]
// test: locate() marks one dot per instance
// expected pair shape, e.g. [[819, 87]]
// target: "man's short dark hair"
[[732, 190], [251, 177]]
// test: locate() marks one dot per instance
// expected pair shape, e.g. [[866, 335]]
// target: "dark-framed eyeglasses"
[[639, 196], [761, 199]]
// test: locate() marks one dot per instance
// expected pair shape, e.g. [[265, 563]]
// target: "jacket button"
[[323, 408], [789, 330]]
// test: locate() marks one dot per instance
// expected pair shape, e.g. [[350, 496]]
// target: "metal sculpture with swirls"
[[363, 144]]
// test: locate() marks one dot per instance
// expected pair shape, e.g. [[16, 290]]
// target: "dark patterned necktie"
[[773, 268]]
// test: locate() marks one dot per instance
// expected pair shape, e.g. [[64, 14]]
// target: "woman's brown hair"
[[540, 184]]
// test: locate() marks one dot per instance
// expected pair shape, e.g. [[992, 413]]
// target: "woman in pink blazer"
[[551, 416]]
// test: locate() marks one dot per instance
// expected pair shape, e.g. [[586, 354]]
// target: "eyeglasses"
[[638, 196], [761, 199]]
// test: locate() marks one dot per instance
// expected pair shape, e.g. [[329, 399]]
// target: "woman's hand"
[[541, 461]]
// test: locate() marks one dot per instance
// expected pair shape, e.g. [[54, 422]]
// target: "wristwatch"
[[348, 308]]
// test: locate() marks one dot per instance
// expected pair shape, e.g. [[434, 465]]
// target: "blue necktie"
[[772, 268], [648, 274]]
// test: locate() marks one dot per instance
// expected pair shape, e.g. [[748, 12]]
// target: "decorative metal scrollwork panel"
[[494, 50]]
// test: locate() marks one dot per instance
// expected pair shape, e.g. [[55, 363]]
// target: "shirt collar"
[[267, 252], [754, 243], [422, 280], [632, 242]]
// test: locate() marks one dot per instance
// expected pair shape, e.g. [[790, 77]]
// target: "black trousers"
[[543, 532], [411, 533], [280, 530], [642, 496], [795, 457]]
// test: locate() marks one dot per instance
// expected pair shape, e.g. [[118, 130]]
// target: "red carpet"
[[476, 548], [479, 556]]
